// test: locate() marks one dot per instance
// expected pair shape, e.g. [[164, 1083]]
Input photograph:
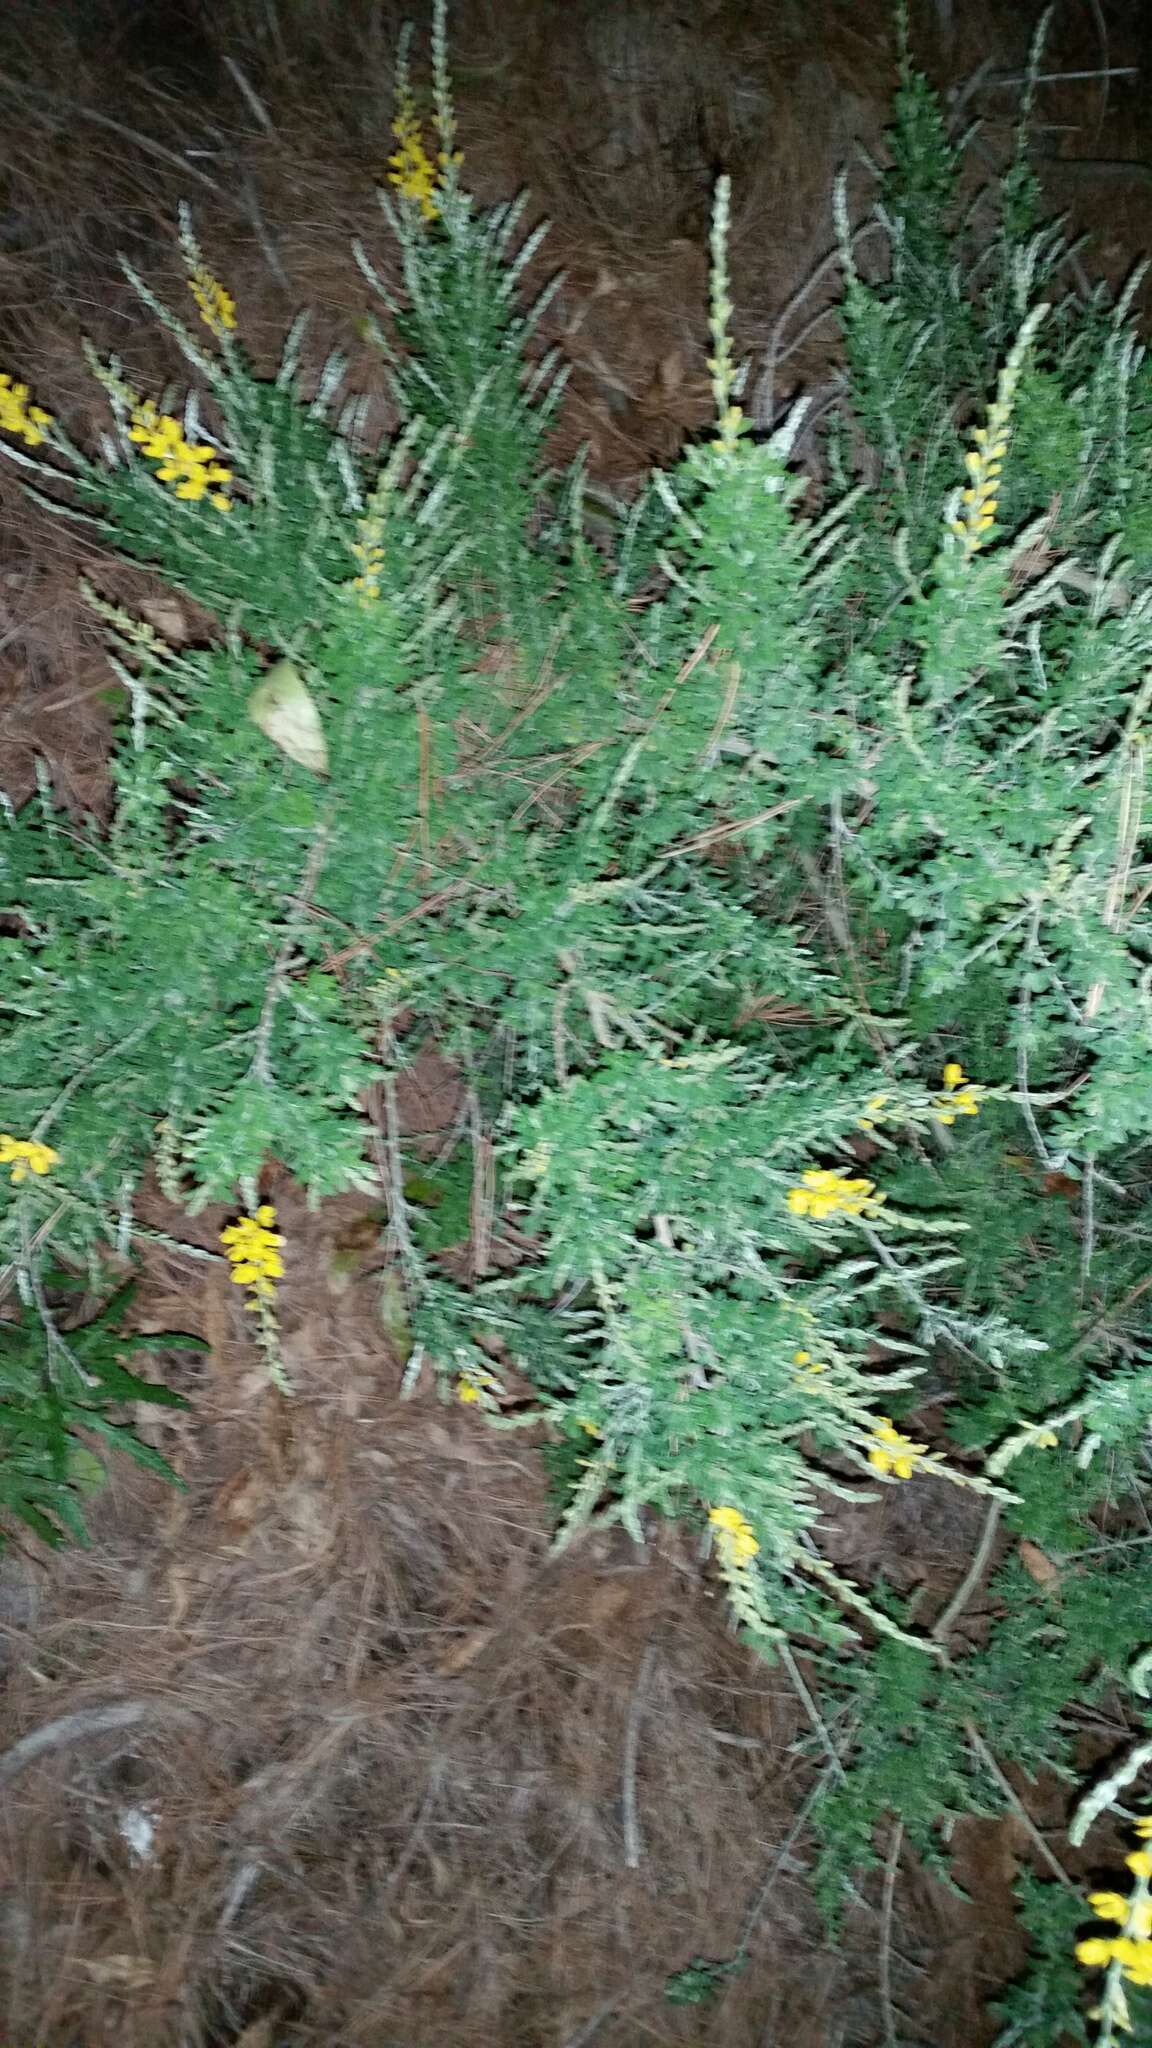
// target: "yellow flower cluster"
[[25, 1156], [984, 461], [734, 1538], [874, 1110], [893, 1454], [822, 1193], [193, 469], [961, 1097], [217, 308], [807, 1363], [474, 1383], [410, 168], [1132, 1947], [17, 416], [369, 553], [253, 1248]]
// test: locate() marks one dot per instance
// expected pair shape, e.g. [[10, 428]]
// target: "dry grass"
[[411, 1782], [409, 1779]]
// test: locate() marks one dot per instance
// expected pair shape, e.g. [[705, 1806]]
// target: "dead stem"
[[891, 1865]]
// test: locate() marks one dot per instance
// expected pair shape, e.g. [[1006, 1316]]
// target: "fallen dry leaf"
[[125, 1973], [241, 1499], [261, 2034], [608, 1601], [283, 708], [308, 1517], [166, 618], [463, 1653], [1038, 1565]]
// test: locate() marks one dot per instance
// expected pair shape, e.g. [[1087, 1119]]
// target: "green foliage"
[[440, 1198], [1043, 2006], [711, 855], [924, 1730], [61, 1389], [698, 1983]]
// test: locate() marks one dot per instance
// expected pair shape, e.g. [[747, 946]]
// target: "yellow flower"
[[734, 1537], [1137, 1960], [873, 1112], [17, 416], [1109, 1906], [961, 1099], [1095, 1953], [731, 427], [369, 553], [25, 1156], [822, 1193], [217, 307], [1132, 1947], [193, 469], [892, 1453], [805, 1360], [252, 1245], [473, 1384], [984, 461], [589, 1428], [410, 168], [1046, 1441]]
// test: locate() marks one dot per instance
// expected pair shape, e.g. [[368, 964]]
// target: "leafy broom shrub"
[[718, 858]]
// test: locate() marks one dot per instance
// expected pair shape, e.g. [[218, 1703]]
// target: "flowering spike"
[[193, 469], [961, 1097], [735, 1538], [25, 1156], [410, 168], [984, 460], [1127, 1956], [368, 551], [822, 1193], [893, 1454], [31, 422], [476, 1385], [217, 307], [253, 1245]]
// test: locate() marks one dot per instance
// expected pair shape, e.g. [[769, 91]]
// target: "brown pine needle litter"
[[331, 1735], [327, 1751]]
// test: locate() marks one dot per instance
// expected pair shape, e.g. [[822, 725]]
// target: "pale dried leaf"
[[464, 1652], [261, 2034], [166, 618], [283, 709], [124, 1973]]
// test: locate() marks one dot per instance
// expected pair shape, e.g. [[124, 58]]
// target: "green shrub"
[[717, 858]]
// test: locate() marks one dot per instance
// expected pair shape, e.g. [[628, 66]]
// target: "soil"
[[387, 1773]]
